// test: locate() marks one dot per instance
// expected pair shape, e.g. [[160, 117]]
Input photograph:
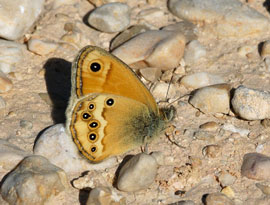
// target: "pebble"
[[194, 52], [160, 49], [33, 181], [218, 199], [104, 196], [26, 124], [246, 50], [265, 54], [2, 103], [137, 173], [159, 157], [229, 18], [161, 89], [212, 151], [151, 74], [226, 179], [233, 129], [264, 187], [128, 34], [11, 54], [251, 104], [101, 2], [210, 126], [11, 152], [5, 83], [187, 28], [256, 166], [17, 16], [228, 191], [58, 147], [212, 99], [201, 79], [41, 47], [110, 18]]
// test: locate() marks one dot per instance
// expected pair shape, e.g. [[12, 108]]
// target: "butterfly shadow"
[[58, 82]]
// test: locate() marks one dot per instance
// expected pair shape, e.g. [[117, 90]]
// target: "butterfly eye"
[[93, 149], [91, 106], [109, 102], [95, 66], [86, 116], [92, 136], [94, 124]]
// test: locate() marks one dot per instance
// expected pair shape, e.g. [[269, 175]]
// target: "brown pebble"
[[5, 83], [210, 126], [218, 199], [212, 151], [256, 166]]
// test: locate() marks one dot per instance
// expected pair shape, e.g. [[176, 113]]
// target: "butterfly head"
[[168, 113]]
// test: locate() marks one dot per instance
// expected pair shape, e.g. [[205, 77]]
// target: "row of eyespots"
[[94, 124]]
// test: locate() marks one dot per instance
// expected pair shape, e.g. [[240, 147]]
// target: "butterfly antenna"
[[166, 98]]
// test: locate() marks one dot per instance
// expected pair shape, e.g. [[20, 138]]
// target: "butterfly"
[[110, 110]]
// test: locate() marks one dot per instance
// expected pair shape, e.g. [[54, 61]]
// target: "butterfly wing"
[[97, 71], [104, 124]]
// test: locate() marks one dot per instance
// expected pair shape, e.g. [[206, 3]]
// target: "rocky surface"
[[201, 153]]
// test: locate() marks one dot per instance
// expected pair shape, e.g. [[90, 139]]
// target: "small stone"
[[226, 179], [228, 192], [256, 166], [265, 188], [203, 135], [98, 3], [5, 83], [59, 148], [201, 79], [212, 151], [151, 74], [10, 154], [33, 181], [229, 18], [161, 89], [112, 17], [212, 99], [245, 50], [160, 49], [159, 156], [210, 126], [11, 54], [41, 47], [153, 16], [138, 173], [218, 199], [187, 28], [18, 16], [167, 53], [2, 103], [233, 129], [194, 52], [26, 124], [127, 34], [251, 104], [104, 196]]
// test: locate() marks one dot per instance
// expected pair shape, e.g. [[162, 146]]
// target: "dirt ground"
[[188, 172]]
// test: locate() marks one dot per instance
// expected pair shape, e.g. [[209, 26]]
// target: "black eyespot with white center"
[[86, 116], [110, 102], [95, 67], [91, 106], [92, 136], [93, 149], [93, 124]]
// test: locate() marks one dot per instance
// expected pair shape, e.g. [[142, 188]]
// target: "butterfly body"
[[110, 110]]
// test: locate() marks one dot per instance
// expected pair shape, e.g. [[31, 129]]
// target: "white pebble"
[[251, 104], [232, 128], [201, 79], [194, 52], [11, 54], [212, 99], [17, 16], [138, 173], [112, 17], [41, 47], [59, 148]]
